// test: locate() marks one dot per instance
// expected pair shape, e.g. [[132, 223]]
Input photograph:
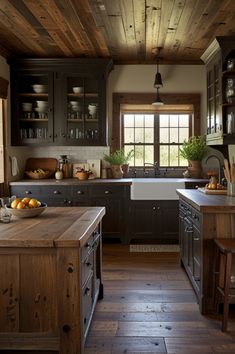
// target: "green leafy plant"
[[118, 157], [194, 149]]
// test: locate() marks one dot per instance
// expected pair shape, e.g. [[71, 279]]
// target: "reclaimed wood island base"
[[50, 279]]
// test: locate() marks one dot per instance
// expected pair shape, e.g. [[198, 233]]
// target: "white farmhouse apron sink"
[[156, 188]]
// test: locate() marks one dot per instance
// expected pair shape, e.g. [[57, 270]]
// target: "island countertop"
[[208, 203], [56, 227]]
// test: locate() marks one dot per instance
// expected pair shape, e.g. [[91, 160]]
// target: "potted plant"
[[194, 150], [119, 161]]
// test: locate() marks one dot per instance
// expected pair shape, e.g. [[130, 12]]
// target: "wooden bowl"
[[28, 213], [82, 175], [38, 175]]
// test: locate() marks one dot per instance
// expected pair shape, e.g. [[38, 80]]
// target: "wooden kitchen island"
[[50, 279], [203, 218]]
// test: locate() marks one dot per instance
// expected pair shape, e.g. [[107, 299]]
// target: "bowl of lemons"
[[26, 207]]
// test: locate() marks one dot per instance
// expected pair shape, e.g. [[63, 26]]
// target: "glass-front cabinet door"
[[83, 109], [32, 108]]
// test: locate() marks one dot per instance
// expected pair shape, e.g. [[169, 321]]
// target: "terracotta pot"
[[117, 171], [82, 175], [125, 169], [195, 169]]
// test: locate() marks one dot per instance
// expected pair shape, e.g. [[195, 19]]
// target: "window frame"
[[156, 143], [119, 99]]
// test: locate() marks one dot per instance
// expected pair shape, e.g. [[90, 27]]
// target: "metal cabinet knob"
[[28, 192], [196, 239], [107, 192], [154, 208], [56, 192], [80, 192]]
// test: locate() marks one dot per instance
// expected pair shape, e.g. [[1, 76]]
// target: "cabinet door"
[[82, 103], [113, 198], [168, 210], [143, 217], [32, 107], [196, 255]]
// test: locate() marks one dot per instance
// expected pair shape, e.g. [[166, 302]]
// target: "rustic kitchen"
[[117, 176]]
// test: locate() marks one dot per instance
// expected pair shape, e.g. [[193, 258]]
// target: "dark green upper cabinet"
[[220, 109], [59, 101]]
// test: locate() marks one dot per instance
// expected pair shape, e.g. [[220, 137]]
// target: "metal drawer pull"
[[196, 239], [87, 291], [188, 229], [107, 192], [88, 245], [80, 192], [88, 264], [56, 192], [28, 192]]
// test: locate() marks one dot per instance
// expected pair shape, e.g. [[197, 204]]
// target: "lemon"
[[26, 200], [14, 203], [34, 203], [20, 205]]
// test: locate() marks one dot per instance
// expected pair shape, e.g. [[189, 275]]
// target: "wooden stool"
[[226, 272]]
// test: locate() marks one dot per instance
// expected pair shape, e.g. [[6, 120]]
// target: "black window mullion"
[[156, 138]]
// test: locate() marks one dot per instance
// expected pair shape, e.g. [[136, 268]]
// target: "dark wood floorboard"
[[149, 307]]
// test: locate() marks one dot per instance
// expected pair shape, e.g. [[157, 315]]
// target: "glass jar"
[[230, 90]]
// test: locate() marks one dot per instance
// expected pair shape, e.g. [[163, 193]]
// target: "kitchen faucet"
[[220, 167], [155, 166]]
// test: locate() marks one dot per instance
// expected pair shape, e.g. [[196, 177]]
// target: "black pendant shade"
[[158, 83], [158, 80], [158, 101]]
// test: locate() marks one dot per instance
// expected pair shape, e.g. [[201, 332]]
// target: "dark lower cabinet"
[[114, 197], [155, 221], [191, 244]]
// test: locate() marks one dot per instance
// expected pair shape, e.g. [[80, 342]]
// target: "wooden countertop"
[[207, 203], [56, 227]]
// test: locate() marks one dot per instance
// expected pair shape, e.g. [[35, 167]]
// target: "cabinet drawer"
[[87, 267], [87, 302], [26, 191], [57, 191], [112, 191], [80, 195], [88, 247]]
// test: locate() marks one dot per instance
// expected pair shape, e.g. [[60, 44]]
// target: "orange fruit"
[[14, 203], [20, 205], [26, 200], [34, 203]]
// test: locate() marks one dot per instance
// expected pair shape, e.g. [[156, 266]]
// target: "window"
[[156, 137]]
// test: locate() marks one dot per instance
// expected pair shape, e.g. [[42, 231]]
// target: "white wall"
[[124, 78], [176, 79]]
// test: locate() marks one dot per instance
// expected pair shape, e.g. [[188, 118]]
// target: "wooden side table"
[[226, 275]]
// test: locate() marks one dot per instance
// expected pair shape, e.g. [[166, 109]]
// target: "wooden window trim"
[[119, 99]]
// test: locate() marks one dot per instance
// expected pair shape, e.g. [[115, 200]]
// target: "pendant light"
[[158, 81]]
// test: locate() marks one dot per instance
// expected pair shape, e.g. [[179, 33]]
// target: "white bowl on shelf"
[[39, 88], [27, 107], [78, 89], [40, 109], [42, 104]]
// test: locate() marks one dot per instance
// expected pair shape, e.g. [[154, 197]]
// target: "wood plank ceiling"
[[129, 31]]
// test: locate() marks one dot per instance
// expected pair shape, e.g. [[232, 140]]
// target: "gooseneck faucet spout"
[[219, 164], [154, 165]]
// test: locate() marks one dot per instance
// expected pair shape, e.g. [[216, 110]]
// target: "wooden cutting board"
[[45, 163], [212, 191]]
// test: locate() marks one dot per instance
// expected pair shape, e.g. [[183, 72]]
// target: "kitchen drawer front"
[[26, 191], [80, 195], [87, 302], [109, 191], [87, 267], [56, 195], [88, 248]]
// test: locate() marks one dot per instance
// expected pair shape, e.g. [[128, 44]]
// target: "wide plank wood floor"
[[149, 306]]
